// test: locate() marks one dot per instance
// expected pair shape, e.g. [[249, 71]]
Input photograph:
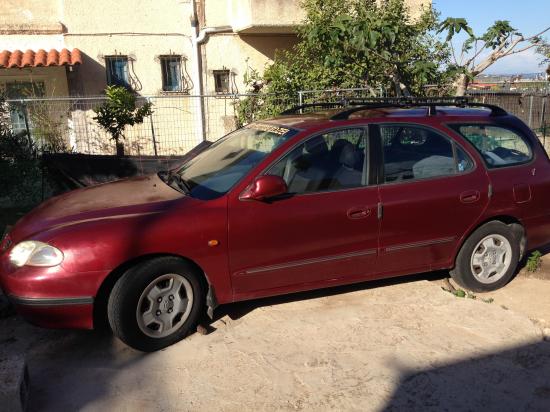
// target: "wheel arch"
[[102, 295], [515, 224]]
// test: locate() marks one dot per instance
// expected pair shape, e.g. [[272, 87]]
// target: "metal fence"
[[68, 124], [338, 95], [176, 125], [532, 108]]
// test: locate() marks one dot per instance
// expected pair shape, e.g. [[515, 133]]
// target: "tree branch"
[[538, 34], [522, 50]]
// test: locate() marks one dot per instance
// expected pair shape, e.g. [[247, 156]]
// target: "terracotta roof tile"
[[40, 58], [18, 59]]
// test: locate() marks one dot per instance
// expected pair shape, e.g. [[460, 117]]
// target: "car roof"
[[323, 117]]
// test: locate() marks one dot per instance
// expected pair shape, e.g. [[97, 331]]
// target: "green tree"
[[369, 44], [118, 111], [478, 53]]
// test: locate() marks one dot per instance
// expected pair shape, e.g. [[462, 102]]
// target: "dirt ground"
[[392, 345]]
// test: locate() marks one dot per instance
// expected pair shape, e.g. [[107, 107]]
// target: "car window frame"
[[295, 131], [372, 167], [511, 128], [452, 141]]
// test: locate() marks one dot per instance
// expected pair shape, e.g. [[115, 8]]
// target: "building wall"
[[141, 29], [54, 78], [239, 54], [21, 14]]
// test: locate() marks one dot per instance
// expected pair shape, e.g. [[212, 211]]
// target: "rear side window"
[[413, 152], [499, 146]]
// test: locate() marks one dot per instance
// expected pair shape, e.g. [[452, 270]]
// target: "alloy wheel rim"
[[164, 305], [491, 259]]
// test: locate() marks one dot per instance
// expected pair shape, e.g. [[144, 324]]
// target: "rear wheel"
[[155, 303], [488, 258]]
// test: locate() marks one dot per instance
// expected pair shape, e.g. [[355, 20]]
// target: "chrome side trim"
[[308, 262], [18, 300], [420, 244]]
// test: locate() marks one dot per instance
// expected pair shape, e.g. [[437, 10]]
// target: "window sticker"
[[265, 127]]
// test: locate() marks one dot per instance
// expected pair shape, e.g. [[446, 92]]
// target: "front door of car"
[[325, 229], [431, 192]]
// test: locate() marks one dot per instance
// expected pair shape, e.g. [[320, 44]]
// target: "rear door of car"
[[325, 231], [431, 192]]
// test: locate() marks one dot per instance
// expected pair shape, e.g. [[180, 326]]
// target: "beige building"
[[147, 44], [170, 49]]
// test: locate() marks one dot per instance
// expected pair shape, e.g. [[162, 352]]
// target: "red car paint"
[[249, 249]]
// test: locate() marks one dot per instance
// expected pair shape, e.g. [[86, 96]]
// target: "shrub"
[[21, 181], [119, 111]]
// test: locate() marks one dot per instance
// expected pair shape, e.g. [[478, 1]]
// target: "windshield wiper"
[[176, 181]]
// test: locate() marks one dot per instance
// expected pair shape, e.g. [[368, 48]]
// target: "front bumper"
[[51, 297], [66, 313]]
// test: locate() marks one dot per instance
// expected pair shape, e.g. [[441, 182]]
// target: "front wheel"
[[488, 258], [155, 304]]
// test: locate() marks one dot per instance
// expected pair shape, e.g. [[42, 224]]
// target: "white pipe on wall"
[[198, 37]]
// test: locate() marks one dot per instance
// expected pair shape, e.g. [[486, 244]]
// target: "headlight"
[[34, 253]]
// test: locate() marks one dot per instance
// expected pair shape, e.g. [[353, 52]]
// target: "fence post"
[[300, 98], [531, 111], [153, 131], [26, 118]]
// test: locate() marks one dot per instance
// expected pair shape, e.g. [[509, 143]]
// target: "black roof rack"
[[431, 104]]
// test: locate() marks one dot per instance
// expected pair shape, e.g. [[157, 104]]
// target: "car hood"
[[128, 197]]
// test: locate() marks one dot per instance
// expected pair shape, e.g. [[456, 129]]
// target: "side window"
[[332, 161], [412, 152], [498, 146]]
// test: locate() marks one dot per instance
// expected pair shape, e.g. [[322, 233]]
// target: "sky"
[[528, 16]]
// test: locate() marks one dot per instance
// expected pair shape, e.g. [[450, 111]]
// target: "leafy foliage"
[[454, 26], [20, 168], [119, 111], [366, 44], [478, 53], [534, 261]]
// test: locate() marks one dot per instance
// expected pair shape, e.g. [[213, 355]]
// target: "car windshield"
[[213, 172]]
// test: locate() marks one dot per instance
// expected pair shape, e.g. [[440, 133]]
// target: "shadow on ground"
[[237, 310], [516, 379], [81, 369]]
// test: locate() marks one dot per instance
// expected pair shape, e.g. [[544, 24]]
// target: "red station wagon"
[[298, 202]]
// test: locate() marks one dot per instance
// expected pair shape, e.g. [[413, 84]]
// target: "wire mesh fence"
[[175, 126], [532, 108], [338, 95]]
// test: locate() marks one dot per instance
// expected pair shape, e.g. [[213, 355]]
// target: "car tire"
[[488, 258], [156, 303]]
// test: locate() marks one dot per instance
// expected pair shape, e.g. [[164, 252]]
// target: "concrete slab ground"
[[394, 345]]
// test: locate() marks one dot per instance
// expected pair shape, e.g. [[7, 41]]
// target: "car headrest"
[[349, 156], [316, 146]]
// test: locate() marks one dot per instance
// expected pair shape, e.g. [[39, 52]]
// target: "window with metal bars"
[[171, 73], [22, 90], [117, 71], [221, 81]]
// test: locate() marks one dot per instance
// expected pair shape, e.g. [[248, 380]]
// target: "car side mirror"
[[265, 187]]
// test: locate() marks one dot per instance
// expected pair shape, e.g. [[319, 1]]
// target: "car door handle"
[[470, 196], [358, 213]]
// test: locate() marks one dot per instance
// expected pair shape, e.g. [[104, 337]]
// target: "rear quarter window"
[[499, 146]]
